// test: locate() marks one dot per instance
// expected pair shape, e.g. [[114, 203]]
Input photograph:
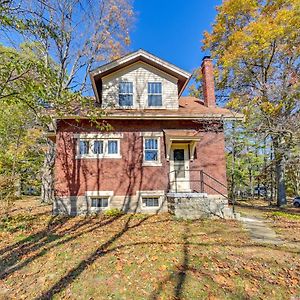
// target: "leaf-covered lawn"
[[138, 257]]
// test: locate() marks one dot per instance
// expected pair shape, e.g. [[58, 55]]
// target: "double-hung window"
[[98, 148], [112, 147], [84, 147], [154, 94], [125, 94], [151, 150]]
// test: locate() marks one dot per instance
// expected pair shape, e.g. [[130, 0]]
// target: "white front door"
[[179, 168]]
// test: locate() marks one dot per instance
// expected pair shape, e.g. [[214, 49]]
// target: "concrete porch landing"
[[199, 206]]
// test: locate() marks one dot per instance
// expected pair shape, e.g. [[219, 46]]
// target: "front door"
[[179, 168]]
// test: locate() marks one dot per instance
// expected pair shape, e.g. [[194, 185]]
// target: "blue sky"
[[173, 29]]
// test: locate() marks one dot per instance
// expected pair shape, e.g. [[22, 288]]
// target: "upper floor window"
[[154, 94], [125, 93]]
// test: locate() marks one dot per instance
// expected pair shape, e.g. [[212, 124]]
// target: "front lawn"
[[138, 257]]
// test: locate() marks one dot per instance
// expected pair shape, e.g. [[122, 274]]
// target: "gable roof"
[[131, 58]]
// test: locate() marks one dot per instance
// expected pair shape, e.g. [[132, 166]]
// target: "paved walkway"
[[260, 231]]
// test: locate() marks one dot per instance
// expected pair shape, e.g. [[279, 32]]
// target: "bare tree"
[[71, 36]]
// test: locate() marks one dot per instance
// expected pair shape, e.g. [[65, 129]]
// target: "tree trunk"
[[280, 171], [47, 191]]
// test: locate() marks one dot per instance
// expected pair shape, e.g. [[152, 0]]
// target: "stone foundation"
[[182, 205], [199, 206], [82, 205]]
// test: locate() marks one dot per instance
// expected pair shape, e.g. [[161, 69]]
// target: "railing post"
[[175, 176], [201, 181]]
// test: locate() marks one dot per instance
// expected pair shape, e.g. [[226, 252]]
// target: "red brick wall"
[[125, 176]]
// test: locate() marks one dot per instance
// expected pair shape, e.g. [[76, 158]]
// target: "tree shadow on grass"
[[44, 240], [179, 276], [99, 252]]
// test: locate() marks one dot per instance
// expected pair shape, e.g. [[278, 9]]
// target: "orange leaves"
[[210, 260], [223, 281]]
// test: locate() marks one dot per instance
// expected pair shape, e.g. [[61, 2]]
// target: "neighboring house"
[[162, 146]]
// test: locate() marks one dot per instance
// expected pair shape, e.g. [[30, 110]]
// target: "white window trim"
[[150, 194], [96, 136], [98, 194], [91, 146], [133, 96], [152, 135], [162, 98]]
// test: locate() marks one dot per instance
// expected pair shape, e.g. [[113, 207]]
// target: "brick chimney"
[[207, 70]]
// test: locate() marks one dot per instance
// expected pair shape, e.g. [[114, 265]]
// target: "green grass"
[[140, 257], [286, 215]]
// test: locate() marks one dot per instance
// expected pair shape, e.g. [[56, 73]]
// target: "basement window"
[[99, 203], [150, 202]]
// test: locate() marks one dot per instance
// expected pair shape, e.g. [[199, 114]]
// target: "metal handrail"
[[201, 181], [216, 180]]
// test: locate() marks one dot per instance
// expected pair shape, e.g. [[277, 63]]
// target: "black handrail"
[[201, 181], [216, 180]]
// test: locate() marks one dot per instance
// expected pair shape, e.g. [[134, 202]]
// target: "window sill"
[[97, 157], [151, 164], [125, 107], [150, 207], [98, 209], [155, 107]]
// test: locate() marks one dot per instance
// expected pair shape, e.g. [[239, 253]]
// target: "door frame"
[[184, 184]]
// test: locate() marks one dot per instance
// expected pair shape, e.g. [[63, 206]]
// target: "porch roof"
[[189, 136], [182, 134]]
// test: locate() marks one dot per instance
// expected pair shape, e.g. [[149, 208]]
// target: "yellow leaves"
[[163, 268], [271, 109], [234, 103], [245, 28]]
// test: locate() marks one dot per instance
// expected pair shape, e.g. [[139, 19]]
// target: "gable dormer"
[[139, 80]]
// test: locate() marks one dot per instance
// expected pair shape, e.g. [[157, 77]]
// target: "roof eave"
[[140, 55], [238, 117], [134, 55]]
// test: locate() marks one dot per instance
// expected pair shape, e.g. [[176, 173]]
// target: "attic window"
[[154, 94], [125, 94]]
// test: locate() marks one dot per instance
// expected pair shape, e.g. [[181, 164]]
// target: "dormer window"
[[154, 94], [125, 94]]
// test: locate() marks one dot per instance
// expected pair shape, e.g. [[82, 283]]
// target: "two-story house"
[[160, 144]]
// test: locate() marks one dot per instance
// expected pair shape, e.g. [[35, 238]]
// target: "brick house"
[[161, 145]]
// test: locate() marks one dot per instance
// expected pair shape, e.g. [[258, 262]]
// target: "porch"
[[195, 203]]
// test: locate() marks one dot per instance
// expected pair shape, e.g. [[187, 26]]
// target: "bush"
[[113, 212]]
